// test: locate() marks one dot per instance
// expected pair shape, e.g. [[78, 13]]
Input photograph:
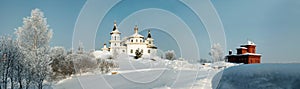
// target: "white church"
[[130, 44]]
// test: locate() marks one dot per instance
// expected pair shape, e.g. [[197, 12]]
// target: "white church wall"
[[131, 48]]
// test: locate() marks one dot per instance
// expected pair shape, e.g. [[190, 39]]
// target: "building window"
[[115, 44], [149, 42], [140, 40], [123, 51], [115, 38], [131, 51], [131, 40], [136, 40], [149, 51]]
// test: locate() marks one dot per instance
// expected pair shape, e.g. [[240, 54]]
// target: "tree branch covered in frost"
[[216, 52]]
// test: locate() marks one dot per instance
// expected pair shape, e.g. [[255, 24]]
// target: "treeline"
[[66, 63], [28, 62], [25, 60]]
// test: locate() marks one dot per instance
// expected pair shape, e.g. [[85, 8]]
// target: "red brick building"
[[245, 54]]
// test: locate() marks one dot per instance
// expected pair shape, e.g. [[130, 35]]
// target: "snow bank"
[[260, 76]]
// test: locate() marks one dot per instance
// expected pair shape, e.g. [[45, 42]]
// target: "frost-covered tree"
[[58, 64], [18, 69], [216, 52], [106, 65], [82, 61], [170, 55], [85, 63], [6, 48], [33, 38], [10, 63], [4, 63]]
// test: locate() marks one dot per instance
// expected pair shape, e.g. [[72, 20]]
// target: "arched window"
[[149, 51], [131, 51], [140, 40], [115, 38], [131, 40], [115, 44], [149, 42], [136, 40]]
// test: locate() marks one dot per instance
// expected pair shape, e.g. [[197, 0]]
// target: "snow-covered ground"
[[167, 79], [146, 74], [261, 76]]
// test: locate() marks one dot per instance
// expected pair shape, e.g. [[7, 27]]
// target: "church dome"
[[136, 34]]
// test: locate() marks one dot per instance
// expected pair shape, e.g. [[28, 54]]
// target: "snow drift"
[[259, 76]]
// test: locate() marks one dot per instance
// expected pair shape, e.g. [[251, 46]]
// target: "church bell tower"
[[115, 41]]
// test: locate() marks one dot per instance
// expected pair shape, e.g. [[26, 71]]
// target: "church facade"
[[131, 44]]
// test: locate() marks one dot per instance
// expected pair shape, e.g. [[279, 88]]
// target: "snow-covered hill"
[[147, 73], [260, 76]]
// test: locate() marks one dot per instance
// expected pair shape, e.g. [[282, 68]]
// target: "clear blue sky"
[[272, 24]]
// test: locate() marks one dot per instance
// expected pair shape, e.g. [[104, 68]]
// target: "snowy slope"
[[261, 76], [169, 79], [143, 79], [147, 74]]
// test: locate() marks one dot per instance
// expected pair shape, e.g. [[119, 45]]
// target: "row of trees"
[[28, 61], [65, 64], [11, 65], [24, 60]]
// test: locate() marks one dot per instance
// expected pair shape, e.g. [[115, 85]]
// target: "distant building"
[[245, 54], [130, 44]]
